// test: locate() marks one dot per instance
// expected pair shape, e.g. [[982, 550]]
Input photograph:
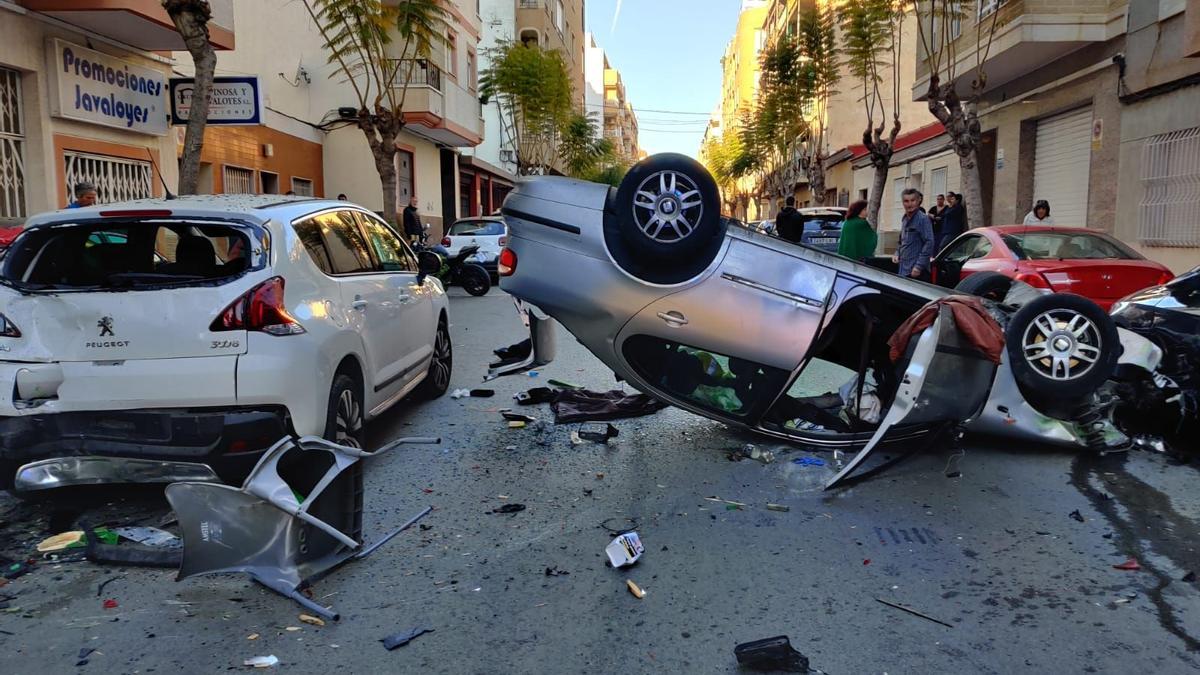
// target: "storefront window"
[[116, 179], [12, 146]]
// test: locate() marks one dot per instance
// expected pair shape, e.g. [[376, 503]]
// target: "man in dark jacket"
[[789, 224], [412, 222], [954, 221]]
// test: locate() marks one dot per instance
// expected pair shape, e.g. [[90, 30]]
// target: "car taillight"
[[259, 309], [8, 328], [1034, 279], [507, 263], [445, 241], [1164, 278], [503, 241]]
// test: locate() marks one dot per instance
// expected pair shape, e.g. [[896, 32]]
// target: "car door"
[[948, 265], [726, 345], [980, 258], [413, 327], [373, 303]]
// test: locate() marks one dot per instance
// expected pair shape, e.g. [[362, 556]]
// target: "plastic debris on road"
[[774, 653], [261, 661], [809, 461], [310, 619], [149, 536], [509, 508], [635, 589], [778, 507], [60, 541], [403, 637], [1130, 565], [625, 549]]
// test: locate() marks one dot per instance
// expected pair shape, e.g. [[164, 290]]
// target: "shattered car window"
[[725, 384], [128, 254]]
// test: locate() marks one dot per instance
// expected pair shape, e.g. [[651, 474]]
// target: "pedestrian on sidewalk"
[[935, 216], [412, 221], [916, 238], [954, 220], [858, 239], [789, 224], [85, 195], [1040, 215]]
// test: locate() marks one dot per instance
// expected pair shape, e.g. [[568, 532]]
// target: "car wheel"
[[437, 380], [474, 280], [990, 285], [1061, 348], [667, 208], [344, 420]]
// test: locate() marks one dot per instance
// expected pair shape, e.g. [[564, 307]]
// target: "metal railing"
[[1169, 212], [418, 72]]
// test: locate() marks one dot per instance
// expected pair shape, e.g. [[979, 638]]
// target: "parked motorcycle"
[[460, 271]]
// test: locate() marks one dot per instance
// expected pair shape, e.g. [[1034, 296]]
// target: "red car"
[[1059, 259]]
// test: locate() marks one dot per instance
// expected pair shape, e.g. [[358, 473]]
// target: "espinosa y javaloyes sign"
[[89, 86]]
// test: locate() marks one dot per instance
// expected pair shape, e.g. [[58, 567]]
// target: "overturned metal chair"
[[296, 518]]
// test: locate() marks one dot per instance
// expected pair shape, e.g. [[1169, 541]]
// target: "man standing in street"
[[412, 221], [788, 224], [954, 220], [916, 238], [85, 195]]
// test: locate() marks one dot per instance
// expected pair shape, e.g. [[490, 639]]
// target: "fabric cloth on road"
[[971, 318], [581, 405]]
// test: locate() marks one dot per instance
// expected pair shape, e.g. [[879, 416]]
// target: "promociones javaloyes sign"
[[94, 87]]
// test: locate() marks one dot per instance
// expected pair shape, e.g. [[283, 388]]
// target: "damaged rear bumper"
[[539, 350], [42, 451]]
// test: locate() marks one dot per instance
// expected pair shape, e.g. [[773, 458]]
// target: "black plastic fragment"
[[403, 637], [775, 653], [134, 555], [510, 508]]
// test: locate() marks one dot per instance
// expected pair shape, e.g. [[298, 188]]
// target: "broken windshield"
[[128, 254]]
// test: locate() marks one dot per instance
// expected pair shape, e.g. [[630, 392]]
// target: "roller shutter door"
[[1062, 165]]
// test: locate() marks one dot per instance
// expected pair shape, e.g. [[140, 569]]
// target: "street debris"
[[261, 661], [100, 589], [1189, 577], [103, 548], [60, 541], [535, 396], [516, 424], [594, 433], [509, 508], [635, 589], [403, 637], [482, 393], [460, 393], [632, 522], [751, 451], [18, 569], [1130, 565], [253, 529], [778, 507], [809, 461], [910, 610], [252, 636], [563, 385], [555, 572], [84, 653], [1076, 515], [310, 619], [771, 654], [582, 405], [723, 501], [110, 604], [626, 549], [517, 417]]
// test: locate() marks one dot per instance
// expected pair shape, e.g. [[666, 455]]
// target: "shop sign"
[[232, 100], [90, 86]]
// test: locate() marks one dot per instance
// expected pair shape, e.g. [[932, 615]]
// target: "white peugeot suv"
[[166, 340]]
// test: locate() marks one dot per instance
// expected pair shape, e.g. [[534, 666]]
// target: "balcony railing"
[[419, 72]]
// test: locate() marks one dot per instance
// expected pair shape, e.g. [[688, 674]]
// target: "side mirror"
[[428, 263]]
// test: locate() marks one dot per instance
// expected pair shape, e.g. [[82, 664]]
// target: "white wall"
[[499, 24], [593, 82], [23, 48]]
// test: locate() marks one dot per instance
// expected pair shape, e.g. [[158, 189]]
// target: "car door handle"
[[359, 304], [673, 318]]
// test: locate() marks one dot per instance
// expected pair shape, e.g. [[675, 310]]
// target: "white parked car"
[[488, 233], [159, 340]]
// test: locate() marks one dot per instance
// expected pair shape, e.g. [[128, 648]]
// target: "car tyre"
[[668, 208], [344, 419], [441, 366], [474, 279], [989, 285], [1061, 348]]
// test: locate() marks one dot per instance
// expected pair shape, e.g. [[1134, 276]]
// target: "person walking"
[[953, 220], [789, 224], [916, 238], [412, 221], [858, 238], [1040, 215], [85, 195]]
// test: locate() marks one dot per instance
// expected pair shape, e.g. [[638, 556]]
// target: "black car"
[[1167, 404]]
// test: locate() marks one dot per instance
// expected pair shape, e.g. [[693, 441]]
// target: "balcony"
[[1029, 35], [141, 23], [437, 107]]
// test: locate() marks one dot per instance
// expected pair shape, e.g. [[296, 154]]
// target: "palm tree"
[[533, 89], [581, 148], [359, 36]]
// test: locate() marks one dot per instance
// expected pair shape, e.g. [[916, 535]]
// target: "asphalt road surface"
[[994, 553]]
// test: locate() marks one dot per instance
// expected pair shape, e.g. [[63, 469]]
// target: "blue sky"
[[669, 54]]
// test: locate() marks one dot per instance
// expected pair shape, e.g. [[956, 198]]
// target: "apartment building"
[[605, 100], [559, 25], [83, 97], [492, 164], [739, 91]]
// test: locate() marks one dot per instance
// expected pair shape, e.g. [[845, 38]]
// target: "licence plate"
[[823, 241]]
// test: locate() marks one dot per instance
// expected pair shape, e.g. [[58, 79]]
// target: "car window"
[[348, 251], [728, 385], [475, 228], [389, 251], [309, 233], [982, 248], [1067, 246], [961, 250], [822, 223]]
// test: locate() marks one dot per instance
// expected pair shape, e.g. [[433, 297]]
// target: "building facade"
[[604, 91], [739, 91], [558, 25], [83, 97], [493, 163]]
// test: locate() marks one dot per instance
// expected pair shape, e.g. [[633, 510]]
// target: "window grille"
[[238, 181], [1169, 213], [12, 146], [303, 187], [116, 179]]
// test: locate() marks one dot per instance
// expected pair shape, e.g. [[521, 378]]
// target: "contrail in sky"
[[616, 15]]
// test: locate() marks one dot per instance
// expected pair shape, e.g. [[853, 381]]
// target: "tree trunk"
[[816, 181], [875, 198], [381, 131], [972, 189], [191, 20]]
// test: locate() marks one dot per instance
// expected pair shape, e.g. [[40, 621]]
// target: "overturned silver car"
[[791, 341]]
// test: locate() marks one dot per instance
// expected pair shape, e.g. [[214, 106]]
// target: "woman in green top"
[[858, 239]]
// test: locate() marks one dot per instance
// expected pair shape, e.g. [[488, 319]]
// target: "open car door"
[[946, 380]]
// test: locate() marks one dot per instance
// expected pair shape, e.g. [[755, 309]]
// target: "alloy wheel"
[[667, 207], [1061, 344], [442, 358], [348, 420]]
